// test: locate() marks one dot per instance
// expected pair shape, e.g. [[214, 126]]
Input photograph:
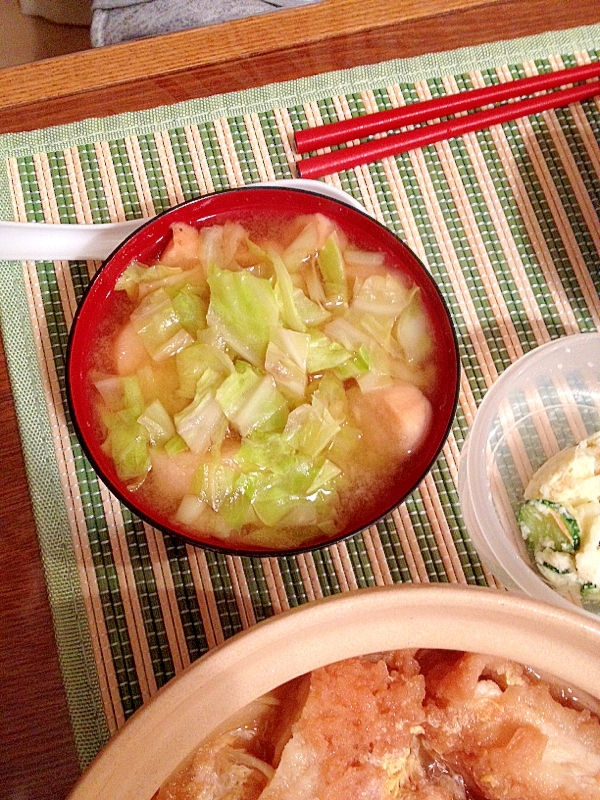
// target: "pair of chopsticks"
[[379, 122]]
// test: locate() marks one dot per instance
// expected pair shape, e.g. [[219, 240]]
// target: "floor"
[[24, 39]]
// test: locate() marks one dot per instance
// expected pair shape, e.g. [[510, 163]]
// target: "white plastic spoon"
[[46, 242]]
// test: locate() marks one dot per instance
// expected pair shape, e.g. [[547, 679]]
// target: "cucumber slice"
[[591, 592], [557, 562], [590, 597], [558, 570], [547, 525]]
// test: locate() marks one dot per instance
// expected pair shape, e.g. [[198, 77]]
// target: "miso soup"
[[265, 382]]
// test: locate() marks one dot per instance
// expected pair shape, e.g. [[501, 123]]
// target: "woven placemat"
[[506, 221]]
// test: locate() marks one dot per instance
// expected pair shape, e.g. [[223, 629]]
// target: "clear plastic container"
[[544, 402]]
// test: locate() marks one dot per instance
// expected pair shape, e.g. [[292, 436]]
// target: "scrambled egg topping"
[[410, 725]]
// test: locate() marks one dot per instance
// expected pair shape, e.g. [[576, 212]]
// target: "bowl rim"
[[555, 641], [501, 556], [353, 207]]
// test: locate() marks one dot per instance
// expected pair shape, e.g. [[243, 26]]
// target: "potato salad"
[[560, 521]]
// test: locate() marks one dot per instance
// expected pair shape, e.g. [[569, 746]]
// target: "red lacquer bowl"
[[100, 300]]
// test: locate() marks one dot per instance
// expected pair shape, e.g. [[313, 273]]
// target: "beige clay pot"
[[162, 733]]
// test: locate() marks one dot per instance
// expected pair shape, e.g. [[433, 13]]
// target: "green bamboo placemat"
[[506, 221]]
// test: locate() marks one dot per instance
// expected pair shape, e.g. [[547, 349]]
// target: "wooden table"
[[39, 759]]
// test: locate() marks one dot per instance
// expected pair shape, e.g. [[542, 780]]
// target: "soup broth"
[[265, 382], [426, 724]]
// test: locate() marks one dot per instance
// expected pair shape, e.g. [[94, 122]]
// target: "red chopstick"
[[381, 121], [348, 157]]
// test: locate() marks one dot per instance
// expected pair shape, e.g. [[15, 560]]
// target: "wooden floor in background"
[[24, 39]]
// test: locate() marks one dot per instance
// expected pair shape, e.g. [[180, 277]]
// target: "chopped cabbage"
[[253, 345], [202, 423], [243, 309], [333, 273], [157, 422]]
